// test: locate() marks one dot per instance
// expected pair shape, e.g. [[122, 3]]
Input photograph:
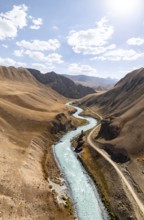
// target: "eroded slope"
[[123, 111], [28, 111]]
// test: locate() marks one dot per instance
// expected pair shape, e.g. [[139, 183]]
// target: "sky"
[[103, 38]]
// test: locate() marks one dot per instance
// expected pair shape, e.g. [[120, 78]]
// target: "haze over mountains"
[[92, 81]]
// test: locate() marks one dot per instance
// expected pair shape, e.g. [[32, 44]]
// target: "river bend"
[[86, 199]]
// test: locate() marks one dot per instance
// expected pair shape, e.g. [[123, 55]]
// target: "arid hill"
[[121, 136], [98, 83], [123, 111], [32, 115], [62, 84]]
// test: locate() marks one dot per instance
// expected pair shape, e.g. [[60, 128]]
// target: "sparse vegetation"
[[27, 109], [50, 186], [68, 205]]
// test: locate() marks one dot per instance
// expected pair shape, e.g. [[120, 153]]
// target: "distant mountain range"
[[62, 84], [97, 83]]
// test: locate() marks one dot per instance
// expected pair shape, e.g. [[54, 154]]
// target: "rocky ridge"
[[62, 84]]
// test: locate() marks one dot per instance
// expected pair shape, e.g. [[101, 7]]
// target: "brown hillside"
[[121, 133], [123, 111], [28, 113]]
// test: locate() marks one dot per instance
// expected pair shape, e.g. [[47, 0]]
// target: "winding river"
[[86, 199]]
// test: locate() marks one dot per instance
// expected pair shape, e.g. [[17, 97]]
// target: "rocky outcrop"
[[79, 143], [61, 124], [108, 131], [62, 84], [117, 155]]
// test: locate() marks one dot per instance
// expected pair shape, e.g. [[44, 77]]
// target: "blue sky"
[[93, 37]]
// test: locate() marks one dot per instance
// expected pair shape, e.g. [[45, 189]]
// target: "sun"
[[124, 7]]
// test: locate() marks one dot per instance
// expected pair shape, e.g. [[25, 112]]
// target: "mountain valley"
[[33, 116]]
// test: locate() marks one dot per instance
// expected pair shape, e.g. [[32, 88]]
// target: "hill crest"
[[123, 110], [62, 84]]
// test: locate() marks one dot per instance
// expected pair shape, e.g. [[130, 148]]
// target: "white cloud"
[[13, 20], [54, 58], [41, 67], [21, 64], [38, 45], [5, 46], [37, 22], [10, 62], [76, 68], [136, 41], [36, 55], [55, 28], [120, 54], [92, 41], [7, 61], [34, 27], [47, 59], [18, 53]]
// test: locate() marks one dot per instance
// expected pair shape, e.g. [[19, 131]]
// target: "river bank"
[[109, 183], [86, 198]]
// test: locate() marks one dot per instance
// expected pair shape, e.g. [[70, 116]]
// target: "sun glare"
[[124, 7]]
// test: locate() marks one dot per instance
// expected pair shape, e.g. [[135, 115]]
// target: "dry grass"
[[26, 111], [123, 106]]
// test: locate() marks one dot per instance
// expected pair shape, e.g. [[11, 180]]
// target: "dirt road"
[[138, 204]]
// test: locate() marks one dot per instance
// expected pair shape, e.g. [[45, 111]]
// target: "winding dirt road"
[[138, 203]]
